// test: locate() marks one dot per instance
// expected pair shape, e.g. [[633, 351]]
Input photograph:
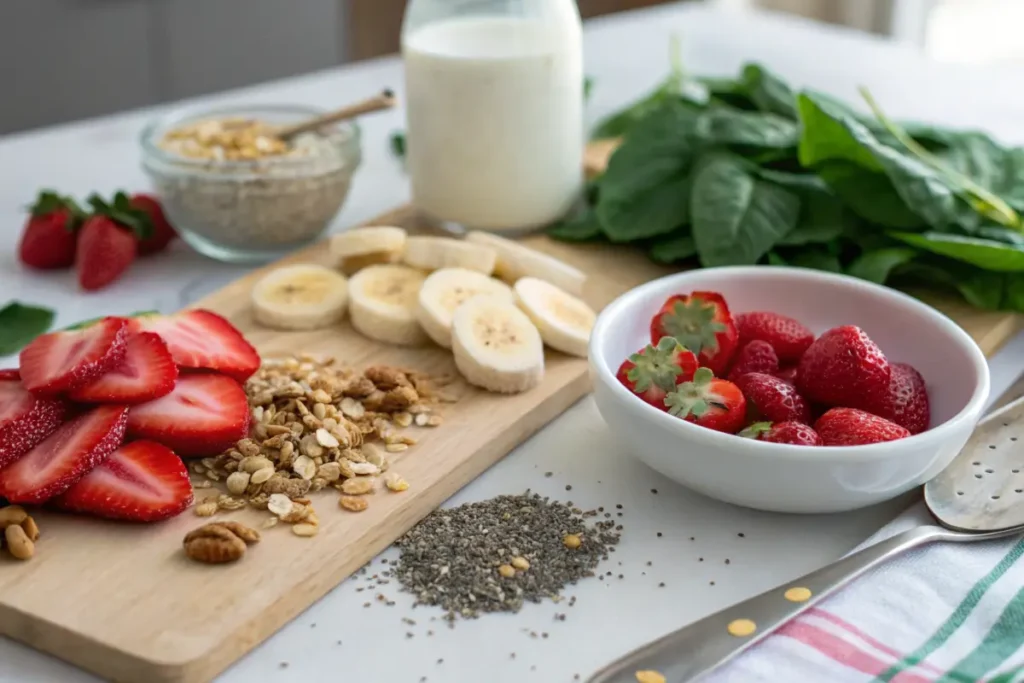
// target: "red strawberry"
[[140, 482], [200, 339], [843, 367], [163, 233], [709, 402], [49, 239], [787, 336], [852, 427], [656, 370], [105, 250], [25, 420], [906, 402], [792, 433], [769, 398], [204, 415], [10, 373], [787, 374], [147, 371], [755, 356], [701, 321], [60, 361], [65, 456]]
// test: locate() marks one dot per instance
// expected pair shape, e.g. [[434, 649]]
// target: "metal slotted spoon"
[[979, 497]]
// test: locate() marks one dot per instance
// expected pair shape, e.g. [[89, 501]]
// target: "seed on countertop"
[[520, 563], [572, 541], [507, 571]]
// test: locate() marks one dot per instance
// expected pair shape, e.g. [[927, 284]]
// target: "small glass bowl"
[[253, 211]]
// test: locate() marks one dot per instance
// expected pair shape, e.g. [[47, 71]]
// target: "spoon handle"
[[705, 645], [385, 100]]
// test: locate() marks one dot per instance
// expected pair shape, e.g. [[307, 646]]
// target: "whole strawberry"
[[656, 370], [843, 367], [787, 374], [852, 427], [709, 402], [48, 241], [108, 241], [788, 337], [906, 401], [770, 398], [792, 433], [755, 356], [163, 233], [701, 321]]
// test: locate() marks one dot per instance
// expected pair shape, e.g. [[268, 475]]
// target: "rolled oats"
[[304, 467], [280, 504], [353, 503], [238, 483], [357, 486], [305, 530]]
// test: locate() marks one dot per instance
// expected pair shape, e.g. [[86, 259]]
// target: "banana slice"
[[564, 321], [355, 249], [434, 253], [383, 303], [444, 290], [496, 346], [300, 297], [516, 261]]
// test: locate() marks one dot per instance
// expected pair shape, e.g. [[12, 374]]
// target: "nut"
[[572, 541], [353, 503], [238, 482], [207, 508], [329, 472], [261, 476], [248, 535], [218, 542], [520, 563], [19, 545], [31, 529], [507, 571], [395, 483], [12, 514], [305, 530], [386, 378]]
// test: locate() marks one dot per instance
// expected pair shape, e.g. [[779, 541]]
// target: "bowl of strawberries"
[[786, 389]]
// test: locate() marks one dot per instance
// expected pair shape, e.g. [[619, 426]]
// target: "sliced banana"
[[496, 346], [356, 249], [383, 304], [444, 290], [300, 297], [434, 253], [516, 261], [564, 321]]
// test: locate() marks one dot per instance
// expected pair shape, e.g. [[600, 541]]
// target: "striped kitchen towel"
[[945, 613]]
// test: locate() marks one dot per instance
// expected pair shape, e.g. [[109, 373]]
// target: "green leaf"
[[20, 324], [658, 210], [800, 182], [737, 218], [397, 141], [816, 259], [722, 126], [827, 136], [822, 219], [581, 226], [769, 92], [870, 195], [876, 266], [985, 254], [775, 260], [674, 248], [121, 211]]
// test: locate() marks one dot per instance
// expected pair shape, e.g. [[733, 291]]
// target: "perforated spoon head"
[[983, 488]]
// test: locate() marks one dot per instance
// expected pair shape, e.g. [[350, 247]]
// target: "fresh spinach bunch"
[[744, 170]]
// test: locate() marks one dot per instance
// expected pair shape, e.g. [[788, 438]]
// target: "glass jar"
[[494, 99]]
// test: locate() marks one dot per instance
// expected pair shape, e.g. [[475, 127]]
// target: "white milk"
[[495, 120]]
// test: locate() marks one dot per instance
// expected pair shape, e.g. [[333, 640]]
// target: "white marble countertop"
[[338, 639]]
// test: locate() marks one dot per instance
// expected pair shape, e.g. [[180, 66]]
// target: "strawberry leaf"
[[20, 324], [122, 212], [692, 323], [48, 202], [755, 430], [655, 366], [691, 398]]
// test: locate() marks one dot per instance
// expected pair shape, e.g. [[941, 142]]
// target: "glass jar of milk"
[[494, 96]]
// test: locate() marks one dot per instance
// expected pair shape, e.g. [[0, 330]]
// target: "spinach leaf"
[[800, 182], [769, 92], [775, 260], [737, 218], [654, 211], [20, 324], [728, 92], [870, 195], [986, 254], [816, 259], [822, 219], [722, 126], [673, 248], [876, 266], [581, 226]]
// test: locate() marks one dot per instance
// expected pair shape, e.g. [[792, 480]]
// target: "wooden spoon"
[[385, 100]]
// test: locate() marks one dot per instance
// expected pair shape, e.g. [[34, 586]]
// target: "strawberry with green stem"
[[109, 240], [792, 433], [709, 402], [50, 236], [656, 370], [702, 323]]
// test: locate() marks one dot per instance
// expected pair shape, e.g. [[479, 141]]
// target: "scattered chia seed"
[[409, 634], [712, 583], [568, 487], [741, 535], [661, 585], [313, 625], [654, 491], [549, 474], [659, 534], [618, 506], [366, 604], [543, 635], [283, 665], [727, 561], [692, 538], [700, 559]]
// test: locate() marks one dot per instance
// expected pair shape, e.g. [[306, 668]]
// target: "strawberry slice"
[[140, 482], [146, 372], [25, 420], [792, 433], [709, 402], [205, 415], [852, 427], [203, 340], [65, 456], [60, 361], [10, 373], [701, 321], [656, 370]]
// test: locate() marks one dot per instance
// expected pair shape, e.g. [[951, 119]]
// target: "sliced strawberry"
[[787, 374], [146, 372], [769, 398], [60, 361], [140, 482], [755, 356], [203, 340], [792, 433], [25, 420], [10, 373], [65, 456], [789, 337], [906, 402], [701, 321], [656, 370], [204, 415], [709, 402], [843, 367], [852, 427]]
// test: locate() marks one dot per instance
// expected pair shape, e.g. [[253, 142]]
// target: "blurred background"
[[70, 59]]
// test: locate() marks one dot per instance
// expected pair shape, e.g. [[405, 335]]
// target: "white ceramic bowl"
[[779, 477]]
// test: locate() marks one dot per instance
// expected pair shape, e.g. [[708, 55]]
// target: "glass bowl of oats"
[[236, 192]]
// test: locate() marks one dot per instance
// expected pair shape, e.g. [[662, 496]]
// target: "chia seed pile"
[[460, 559]]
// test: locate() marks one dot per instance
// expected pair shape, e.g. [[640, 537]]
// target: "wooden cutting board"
[[123, 601]]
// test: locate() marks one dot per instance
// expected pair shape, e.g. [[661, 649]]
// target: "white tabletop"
[[701, 557]]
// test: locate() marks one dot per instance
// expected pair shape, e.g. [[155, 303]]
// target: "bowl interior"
[[905, 329]]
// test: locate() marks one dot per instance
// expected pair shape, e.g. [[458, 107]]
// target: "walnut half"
[[219, 542]]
